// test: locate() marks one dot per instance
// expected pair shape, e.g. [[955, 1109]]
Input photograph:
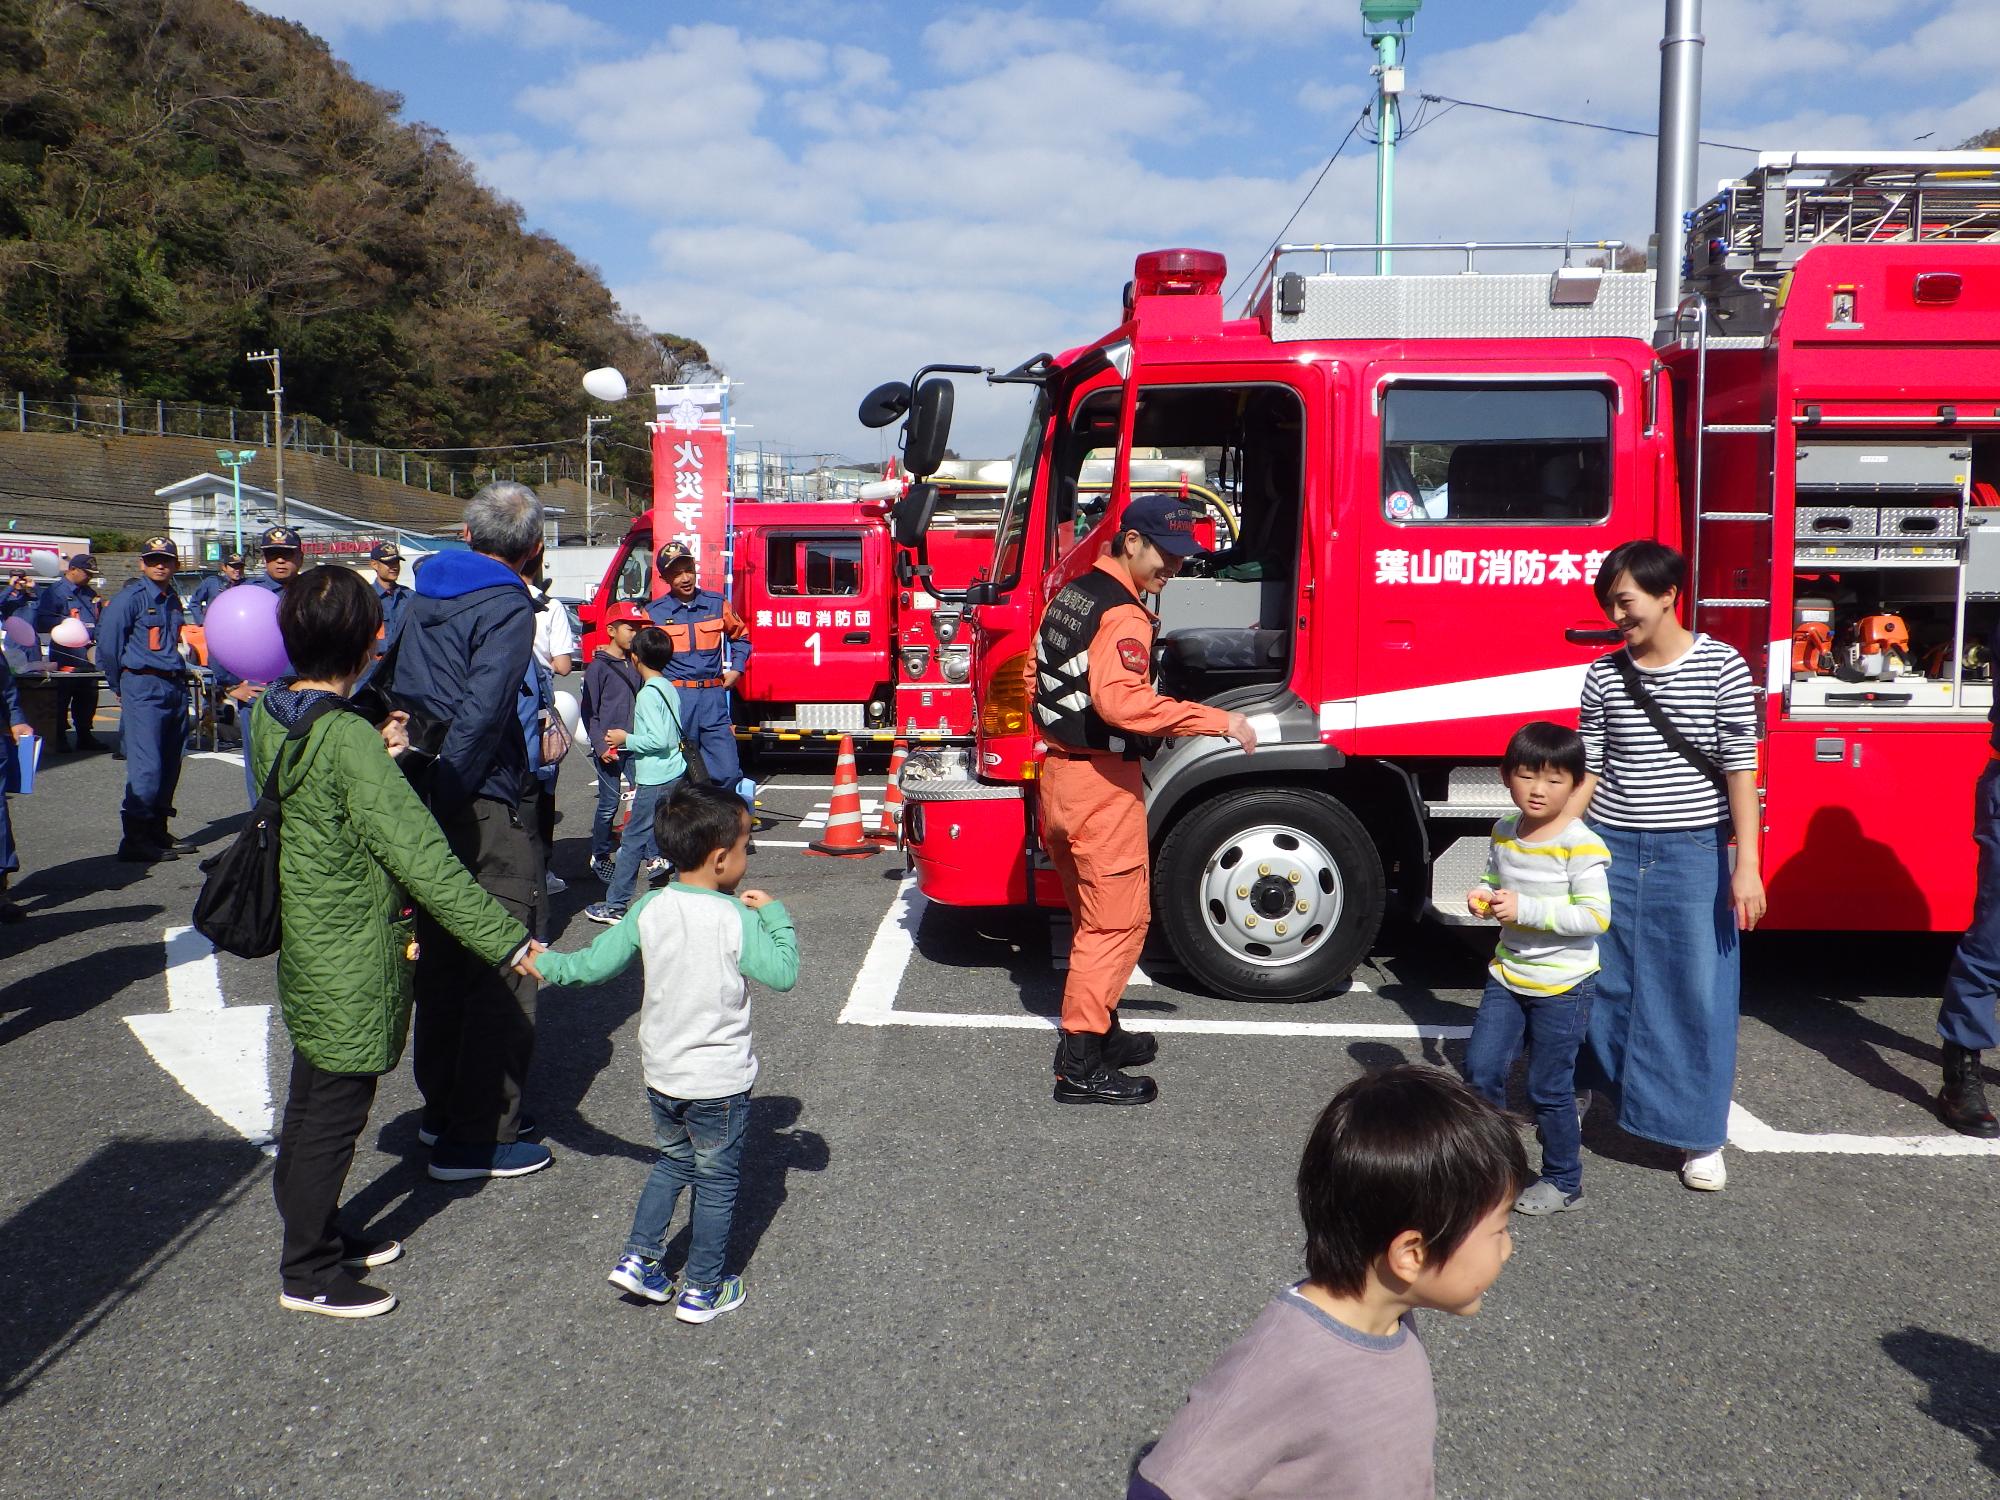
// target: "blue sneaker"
[[700, 1304], [453, 1162], [642, 1278], [605, 912]]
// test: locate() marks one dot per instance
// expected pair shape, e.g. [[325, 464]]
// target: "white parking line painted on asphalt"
[[1748, 1133], [220, 1054], [871, 1001], [233, 757]]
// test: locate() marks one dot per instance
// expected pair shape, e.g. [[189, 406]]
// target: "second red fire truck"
[[1428, 471]]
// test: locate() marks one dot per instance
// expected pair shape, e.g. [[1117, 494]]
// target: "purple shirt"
[[1302, 1407]]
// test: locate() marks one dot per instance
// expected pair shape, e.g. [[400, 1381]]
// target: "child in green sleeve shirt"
[[654, 744], [700, 942]]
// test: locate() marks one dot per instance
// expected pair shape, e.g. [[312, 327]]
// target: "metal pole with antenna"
[[1387, 24], [275, 359]]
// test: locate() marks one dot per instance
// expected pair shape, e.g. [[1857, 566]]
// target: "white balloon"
[[571, 711], [605, 383], [70, 633], [46, 564]]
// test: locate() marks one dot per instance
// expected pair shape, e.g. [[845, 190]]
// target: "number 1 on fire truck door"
[[1498, 501]]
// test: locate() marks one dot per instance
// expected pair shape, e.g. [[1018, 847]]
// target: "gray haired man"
[[467, 638]]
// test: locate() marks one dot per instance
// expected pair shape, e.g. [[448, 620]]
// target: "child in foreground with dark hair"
[[1404, 1189], [1547, 883], [700, 941]]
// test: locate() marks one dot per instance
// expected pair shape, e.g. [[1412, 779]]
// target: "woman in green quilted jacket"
[[355, 848]]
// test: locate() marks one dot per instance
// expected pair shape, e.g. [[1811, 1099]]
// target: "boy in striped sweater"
[[1547, 884]]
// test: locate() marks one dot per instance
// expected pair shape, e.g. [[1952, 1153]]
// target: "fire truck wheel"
[[1270, 895]]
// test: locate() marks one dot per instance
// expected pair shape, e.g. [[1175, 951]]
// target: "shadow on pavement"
[[70, 1258], [1963, 1378], [68, 990], [773, 1149]]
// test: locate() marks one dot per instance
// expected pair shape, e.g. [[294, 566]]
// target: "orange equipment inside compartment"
[[195, 638], [1812, 649]]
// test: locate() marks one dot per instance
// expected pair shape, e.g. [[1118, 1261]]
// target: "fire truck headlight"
[[955, 662], [938, 763]]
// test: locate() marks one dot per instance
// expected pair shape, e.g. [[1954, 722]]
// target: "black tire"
[[1212, 943]]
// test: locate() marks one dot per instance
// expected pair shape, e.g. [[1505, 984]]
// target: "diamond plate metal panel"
[[1465, 307]]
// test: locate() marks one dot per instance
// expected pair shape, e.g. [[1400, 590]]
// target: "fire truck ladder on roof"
[[1743, 242], [1720, 567]]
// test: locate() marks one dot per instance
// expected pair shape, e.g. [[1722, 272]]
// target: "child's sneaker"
[[1544, 1197], [656, 870], [603, 867], [700, 1304], [605, 912], [642, 1278]]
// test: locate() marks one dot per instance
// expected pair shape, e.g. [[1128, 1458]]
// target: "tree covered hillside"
[[183, 180]]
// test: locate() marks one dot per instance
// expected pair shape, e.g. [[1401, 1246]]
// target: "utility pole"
[[1680, 153], [1387, 24], [590, 480], [275, 359]]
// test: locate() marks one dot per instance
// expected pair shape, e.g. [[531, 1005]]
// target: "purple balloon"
[[18, 632], [243, 636]]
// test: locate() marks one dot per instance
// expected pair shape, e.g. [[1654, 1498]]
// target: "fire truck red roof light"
[[1936, 287], [1179, 273]]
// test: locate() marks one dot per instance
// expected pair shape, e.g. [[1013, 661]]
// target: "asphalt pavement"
[[956, 1287]]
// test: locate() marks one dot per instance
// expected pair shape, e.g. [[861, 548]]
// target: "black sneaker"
[[1082, 1076], [365, 1255], [346, 1298], [134, 851]]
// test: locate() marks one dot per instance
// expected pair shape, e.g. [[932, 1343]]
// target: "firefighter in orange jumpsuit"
[[1098, 712]]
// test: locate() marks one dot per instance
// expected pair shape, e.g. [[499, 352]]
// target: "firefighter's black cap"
[[1166, 521]]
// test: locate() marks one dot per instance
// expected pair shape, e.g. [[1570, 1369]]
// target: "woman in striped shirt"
[[1663, 1030]]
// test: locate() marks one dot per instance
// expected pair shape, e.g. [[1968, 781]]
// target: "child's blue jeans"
[[701, 1149], [1554, 1027], [610, 774], [637, 846]]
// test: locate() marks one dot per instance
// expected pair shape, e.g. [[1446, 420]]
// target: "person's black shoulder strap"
[[1680, 744], [298, 731]]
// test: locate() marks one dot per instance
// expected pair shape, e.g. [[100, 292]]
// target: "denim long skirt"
[[1662, 1039]]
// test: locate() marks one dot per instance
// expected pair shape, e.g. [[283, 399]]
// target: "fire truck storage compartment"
[[1884, 534]]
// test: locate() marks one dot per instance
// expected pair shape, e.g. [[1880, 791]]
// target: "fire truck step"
[[1455, 871], [1736, 515], [1732, 604], [1727, 428], [1472, 792]]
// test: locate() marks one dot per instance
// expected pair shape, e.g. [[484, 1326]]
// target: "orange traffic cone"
[[889, 823], [843, 822]]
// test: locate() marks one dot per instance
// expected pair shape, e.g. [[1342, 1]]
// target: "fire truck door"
[[1494, 500], [816, 600]]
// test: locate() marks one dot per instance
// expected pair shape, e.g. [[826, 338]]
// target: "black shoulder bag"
[[1680, 744], [376, 699], [697, 769], [237, 909]]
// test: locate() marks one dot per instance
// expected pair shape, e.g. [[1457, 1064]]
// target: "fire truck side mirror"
[[912, 515], [928, 429], [884, 404]]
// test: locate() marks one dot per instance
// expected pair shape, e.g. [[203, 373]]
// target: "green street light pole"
[[236, 458], [1387, 24]]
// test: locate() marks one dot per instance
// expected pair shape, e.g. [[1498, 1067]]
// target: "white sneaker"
[[557, 885], [1704, 1172]]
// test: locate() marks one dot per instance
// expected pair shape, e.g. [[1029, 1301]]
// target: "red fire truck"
[[851, 634], [1429, 470]]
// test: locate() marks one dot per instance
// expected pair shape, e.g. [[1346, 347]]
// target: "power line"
[[1278, 238], [1529, 114]]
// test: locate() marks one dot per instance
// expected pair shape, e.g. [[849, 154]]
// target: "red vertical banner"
[[691, 478]]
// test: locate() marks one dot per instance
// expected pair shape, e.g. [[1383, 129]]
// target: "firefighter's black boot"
[[139, 846], [1961, 1103], [165, 839], [1126, 1049], [1083, 1078]]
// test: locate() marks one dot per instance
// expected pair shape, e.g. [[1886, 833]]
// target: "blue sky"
[[828, 194]]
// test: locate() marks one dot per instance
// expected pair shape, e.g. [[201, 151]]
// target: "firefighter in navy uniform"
[[214, 587], [71, 597], [390, 589], [711, 646], [138, 650], [283, 552], [1098, 712]]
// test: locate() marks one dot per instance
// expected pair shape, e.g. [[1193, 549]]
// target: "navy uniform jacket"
[[394, 601], [206, 593], [708, 638], [141, 629], [14, 601], [59, 601], [266, 581]]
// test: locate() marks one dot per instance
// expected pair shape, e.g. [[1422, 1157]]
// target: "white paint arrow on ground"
[[220, 1054], [1748, 1133]]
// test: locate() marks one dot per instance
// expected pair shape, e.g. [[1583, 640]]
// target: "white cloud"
[[529, 23]]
